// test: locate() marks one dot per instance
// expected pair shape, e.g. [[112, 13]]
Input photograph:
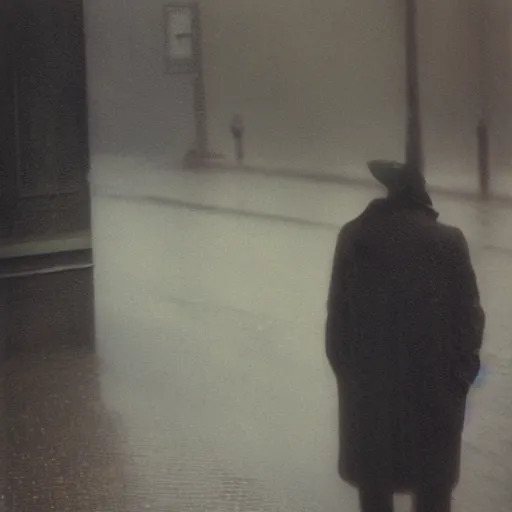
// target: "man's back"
[[402, 285], [404, 321]]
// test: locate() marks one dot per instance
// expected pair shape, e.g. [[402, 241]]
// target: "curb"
[[475, 196]]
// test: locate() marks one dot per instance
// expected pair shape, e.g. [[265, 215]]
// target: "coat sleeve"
[[469, 317], [337, 326]]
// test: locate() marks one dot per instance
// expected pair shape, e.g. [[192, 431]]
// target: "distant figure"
[[403, 336]]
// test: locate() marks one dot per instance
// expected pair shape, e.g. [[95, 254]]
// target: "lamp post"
[[482, 132], [414, 143]]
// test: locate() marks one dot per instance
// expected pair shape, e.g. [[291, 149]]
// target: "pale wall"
[[501, 82], [320, 82], [449, 64], [137, 112]]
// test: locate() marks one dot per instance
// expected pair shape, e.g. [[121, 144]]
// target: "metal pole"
[[202, 143], [483, 140], [414, 145]]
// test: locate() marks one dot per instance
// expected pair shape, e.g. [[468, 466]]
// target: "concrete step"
[[47, 306], [31, 246], [31, 265]]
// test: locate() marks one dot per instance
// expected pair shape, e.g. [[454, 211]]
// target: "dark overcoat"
[[403, 336]]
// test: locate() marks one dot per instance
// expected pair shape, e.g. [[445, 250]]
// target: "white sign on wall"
[[182, 38], [179, 28]]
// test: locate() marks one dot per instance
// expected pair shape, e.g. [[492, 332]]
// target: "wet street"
[[208, 389]]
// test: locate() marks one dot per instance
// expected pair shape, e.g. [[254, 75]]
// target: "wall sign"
[[181, 37]]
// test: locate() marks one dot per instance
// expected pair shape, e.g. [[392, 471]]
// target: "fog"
[[201, 384], [320, 85]]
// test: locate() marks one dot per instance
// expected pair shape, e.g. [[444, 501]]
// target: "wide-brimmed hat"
[[394, 175], [402, 180]]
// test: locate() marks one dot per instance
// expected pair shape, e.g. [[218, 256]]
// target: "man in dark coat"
[[403, 337]]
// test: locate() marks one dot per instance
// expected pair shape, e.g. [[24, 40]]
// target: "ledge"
[[62, 243]]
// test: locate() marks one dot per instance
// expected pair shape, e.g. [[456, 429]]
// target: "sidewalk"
[[441, 181], [462, 186], [447, 184], [308, 199]]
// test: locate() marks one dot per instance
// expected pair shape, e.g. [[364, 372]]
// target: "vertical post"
[[414, 144], [484, 173], [202, 144], [483, 140], [237, 130]]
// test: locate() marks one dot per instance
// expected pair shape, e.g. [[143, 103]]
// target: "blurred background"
[[173, 176]]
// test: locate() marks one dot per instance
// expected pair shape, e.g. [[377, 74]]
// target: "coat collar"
[[391, 205]]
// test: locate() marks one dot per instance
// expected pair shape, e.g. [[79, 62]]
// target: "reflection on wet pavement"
[[64, 451], [208, 389]]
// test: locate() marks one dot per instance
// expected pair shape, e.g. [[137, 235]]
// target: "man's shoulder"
[[436, 231], [449, 233], [371, 210], [350, 228]]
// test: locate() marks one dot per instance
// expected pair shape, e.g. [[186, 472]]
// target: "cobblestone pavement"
[[209, 389]]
